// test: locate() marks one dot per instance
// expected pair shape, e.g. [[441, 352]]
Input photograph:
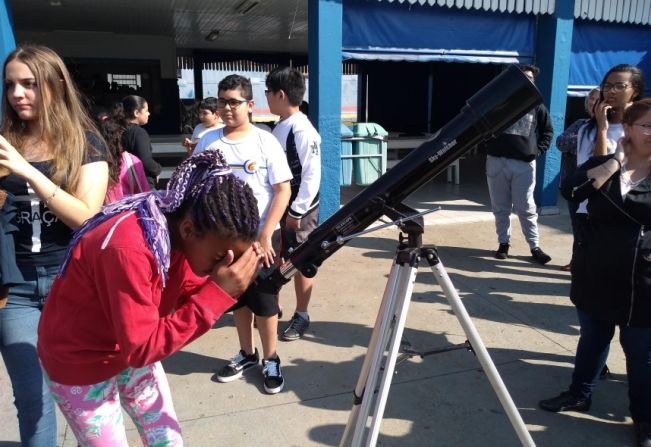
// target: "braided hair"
[[202, 185]]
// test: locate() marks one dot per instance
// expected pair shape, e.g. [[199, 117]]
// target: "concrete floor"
[[521, 310]]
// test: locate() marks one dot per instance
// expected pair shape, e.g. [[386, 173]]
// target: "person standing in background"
[[126, 174], [621, 85], [511, 175], [210, 120], [567, 143], [132, 113], [302, 143]]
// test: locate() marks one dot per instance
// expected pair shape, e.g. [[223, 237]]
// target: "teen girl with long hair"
[[57, 179]]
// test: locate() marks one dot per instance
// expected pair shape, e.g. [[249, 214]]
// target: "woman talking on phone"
[[622, 85]]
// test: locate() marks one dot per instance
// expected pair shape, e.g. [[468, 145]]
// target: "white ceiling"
[[270, 26]]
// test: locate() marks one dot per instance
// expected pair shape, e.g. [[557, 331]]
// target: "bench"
[[399, 146]]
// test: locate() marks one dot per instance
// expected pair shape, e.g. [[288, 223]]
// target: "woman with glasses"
[[622, 85], [611, 272]]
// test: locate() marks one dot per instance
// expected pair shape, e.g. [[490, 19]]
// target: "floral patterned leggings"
[[94, 414]]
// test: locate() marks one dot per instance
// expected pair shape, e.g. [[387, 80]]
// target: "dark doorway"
[[106, 81], [398, 92]]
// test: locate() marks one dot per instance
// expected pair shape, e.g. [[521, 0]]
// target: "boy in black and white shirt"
[[302, 145]]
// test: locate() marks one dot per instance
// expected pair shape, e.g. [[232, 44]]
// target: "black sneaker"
[[565, 402], [502, 251], [643, 432], [240, 363], [540, 256], [296, 328], [273, 378]]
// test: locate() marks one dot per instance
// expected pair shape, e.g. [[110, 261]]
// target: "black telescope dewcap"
[[490, 111]]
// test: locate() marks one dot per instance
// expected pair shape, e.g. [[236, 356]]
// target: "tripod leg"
[[365, 388], [478, 346], [379, 329], [404, 291]]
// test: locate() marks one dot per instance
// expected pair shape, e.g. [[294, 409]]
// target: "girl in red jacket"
[[143, 278]]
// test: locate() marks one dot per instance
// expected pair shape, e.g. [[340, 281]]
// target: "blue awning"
[[403, 32], [599, 46]]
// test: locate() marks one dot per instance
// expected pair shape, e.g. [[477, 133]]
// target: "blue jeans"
[[591, 355], [18, 336]]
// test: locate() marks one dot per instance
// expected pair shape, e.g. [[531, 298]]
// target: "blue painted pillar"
[[324, 60], [553, 48], [7, 40]]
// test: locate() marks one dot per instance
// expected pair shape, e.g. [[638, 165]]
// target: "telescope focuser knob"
[[309, 270]]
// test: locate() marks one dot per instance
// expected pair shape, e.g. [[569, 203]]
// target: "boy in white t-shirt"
[[209, 117], [255, 157], [301, 142]]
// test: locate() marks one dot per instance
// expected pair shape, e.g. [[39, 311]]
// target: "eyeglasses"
[[646, 128], [617, 87], [233, 103]]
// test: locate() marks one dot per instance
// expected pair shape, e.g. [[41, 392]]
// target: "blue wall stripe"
[[553, 57], [324, 59]]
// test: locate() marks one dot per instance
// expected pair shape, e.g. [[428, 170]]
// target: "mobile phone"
[[610, 113]]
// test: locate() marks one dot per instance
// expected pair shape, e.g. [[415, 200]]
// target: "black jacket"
[[611, 268], [526, 139]]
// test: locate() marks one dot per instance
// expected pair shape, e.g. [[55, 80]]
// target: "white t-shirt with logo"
[[257, 159]]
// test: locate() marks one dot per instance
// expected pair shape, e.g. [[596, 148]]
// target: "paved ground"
[[520, 309]]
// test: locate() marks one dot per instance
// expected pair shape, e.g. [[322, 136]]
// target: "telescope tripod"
[[380, 360]]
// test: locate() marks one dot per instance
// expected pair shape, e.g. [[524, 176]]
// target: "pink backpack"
[[132, 179]]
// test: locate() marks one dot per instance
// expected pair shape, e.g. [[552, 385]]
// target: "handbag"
[[135, 186]]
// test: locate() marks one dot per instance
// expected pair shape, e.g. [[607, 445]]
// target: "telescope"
[[490, 111]]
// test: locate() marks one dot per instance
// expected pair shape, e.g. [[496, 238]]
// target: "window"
[[133, 81]]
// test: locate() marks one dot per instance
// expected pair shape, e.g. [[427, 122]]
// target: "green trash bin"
[[346, 177], [369, 139]]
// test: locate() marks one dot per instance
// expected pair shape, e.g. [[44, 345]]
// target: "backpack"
[[132, 179]]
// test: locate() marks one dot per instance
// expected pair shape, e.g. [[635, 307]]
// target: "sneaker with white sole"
[[296, 328], [273, 377], [238, 364]]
